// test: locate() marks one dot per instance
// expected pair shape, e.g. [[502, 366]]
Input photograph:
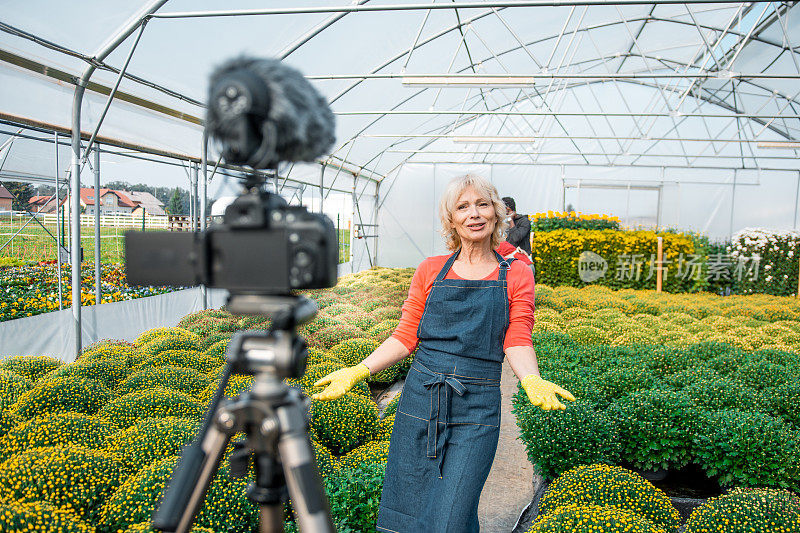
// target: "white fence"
[[117, 220]]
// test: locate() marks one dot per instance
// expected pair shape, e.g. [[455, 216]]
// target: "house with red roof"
[[110, 202], [6, 199], [44, 204]]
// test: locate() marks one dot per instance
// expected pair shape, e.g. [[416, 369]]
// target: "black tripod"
[[271, 414]]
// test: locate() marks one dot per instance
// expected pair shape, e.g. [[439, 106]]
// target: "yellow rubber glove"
[[341, 381], [542, 393]]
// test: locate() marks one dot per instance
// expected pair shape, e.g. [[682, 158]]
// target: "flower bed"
[[109, 426], [779, 257], [729, 411], [32, 290], [129, 407], [598, 315], [621, 259]]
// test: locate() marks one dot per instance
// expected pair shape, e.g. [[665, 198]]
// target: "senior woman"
[[464, 311]]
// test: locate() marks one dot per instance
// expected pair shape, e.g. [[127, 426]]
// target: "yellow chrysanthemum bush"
[[35, 517], [330, 336], [747, 511], [606, 485], [388, 312], [322, 320], [556, 255], [593, 519], [326, 461], [342, 309], [108, 350], [236, 385], [164, 344], [127, 410], [177, 378], [553, 220], [391, 407], [68, 476], [165, 333], [12, 386], [362, 320], [182, 358], [345, 423], [56, 429], [31, 367], [382, 330], [108, 371], [386, 427], [373, 452], [226, 508], [353, 351], [61, 395], [150, 440]]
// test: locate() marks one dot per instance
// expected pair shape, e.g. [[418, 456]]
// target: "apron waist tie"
[[435, 385]]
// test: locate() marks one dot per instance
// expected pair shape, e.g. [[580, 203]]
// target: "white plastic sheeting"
[[716, 203], [53, 333]]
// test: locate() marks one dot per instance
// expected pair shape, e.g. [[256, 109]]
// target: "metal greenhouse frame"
[[541, 95]]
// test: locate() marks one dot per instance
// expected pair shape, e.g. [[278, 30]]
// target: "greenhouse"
[[652, 148]]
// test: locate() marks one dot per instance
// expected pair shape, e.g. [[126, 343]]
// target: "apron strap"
[[446, 268], [505, 264], [437, 384]]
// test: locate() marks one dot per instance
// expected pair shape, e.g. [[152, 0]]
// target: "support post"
[[353, 201], [322, 189], [80, 87], [659, 263], [377, 225], [192, 196], [58, 230], [204, 203], [75, 213], [98, 290]]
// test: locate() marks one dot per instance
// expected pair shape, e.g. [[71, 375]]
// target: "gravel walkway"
[[510, 485]]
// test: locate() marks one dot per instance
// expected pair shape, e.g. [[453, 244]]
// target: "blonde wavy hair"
[[447, 204]]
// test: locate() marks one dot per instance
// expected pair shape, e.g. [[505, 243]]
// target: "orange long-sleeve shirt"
[[520, 298]]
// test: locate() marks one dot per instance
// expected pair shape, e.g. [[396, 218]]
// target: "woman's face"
[[474, 217]]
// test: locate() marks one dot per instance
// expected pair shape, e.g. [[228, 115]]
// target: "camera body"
[[263, 246]]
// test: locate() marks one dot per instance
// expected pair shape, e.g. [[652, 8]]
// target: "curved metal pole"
[[204, 201], [98, 290], [75, 185], [58, 228]]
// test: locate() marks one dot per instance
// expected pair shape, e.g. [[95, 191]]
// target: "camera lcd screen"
[[248, 261]]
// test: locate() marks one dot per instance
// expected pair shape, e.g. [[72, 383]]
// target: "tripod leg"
[[305, 484], [189, 483], [271, 519], [269, 490]]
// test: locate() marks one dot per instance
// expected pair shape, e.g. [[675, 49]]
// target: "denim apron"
[[448, 420]]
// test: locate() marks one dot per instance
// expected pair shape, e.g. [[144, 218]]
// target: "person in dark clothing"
[[519, 227]]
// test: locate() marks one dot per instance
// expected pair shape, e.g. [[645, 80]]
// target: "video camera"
[[261, 113]]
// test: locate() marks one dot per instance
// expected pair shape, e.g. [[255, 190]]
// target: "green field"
[[34, 244]]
